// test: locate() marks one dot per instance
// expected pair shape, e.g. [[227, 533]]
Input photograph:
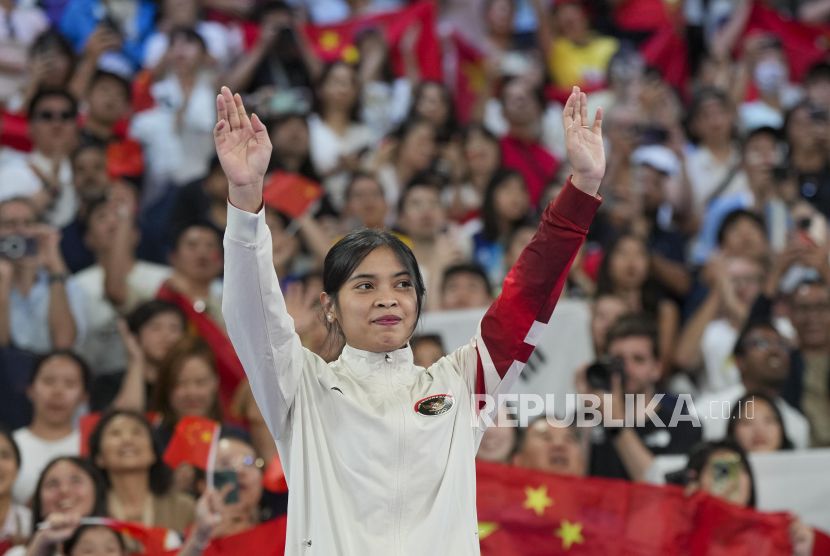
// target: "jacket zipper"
[[397, 509]]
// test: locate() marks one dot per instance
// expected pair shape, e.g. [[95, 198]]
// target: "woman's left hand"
[[802, 537], [584, 143]]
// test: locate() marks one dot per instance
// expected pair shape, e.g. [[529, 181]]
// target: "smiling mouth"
[[388, 320]]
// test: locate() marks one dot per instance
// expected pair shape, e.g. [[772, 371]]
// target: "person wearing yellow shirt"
[[575, 54]]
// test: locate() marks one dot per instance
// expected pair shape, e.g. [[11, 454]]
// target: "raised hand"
[[244, 150], [584, 143]]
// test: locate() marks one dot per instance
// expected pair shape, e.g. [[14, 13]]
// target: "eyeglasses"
[[243, 462], [764, 345], [46, 116]]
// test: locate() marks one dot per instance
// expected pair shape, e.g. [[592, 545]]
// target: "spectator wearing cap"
[[522, 150], [45, 175], [763, 360], [762, 154], [177, 134], [575, 54], [117, 282]]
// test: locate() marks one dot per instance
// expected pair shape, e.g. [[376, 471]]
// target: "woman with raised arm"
[[380, 454]]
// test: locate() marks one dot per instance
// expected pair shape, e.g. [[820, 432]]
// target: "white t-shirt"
[[103, 348], [35, 455], [706, 173], [19, 180]]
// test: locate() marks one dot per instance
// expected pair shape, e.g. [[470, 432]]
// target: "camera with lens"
[[600, 372], [17, 246]]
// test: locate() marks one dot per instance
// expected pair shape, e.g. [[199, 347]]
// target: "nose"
[[386, 302]]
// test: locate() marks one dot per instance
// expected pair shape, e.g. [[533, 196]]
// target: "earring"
[[329, 317]]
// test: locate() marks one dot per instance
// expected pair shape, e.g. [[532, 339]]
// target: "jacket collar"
[[379, 364]]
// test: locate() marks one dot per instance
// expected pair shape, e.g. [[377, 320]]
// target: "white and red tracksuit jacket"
[[380, 461]]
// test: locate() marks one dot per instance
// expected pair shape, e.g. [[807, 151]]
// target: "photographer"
[[628, 452], [41, 307]]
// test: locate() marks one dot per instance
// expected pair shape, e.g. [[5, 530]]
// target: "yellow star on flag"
[[485, 529], [330, 40], [570, 533], [351, 54], [206, 436], [537, 499]]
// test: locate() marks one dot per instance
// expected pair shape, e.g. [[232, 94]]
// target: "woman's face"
[[57, 391], [482, 154], [418, 147], [713, 122], [97, 541], [235, 455], [291, 138], [499, 17], [339, 90], [607, 310], [498, 440], [159, 334], [432, 105], [67, 488], [760, 430], [629, 264], [8, 466], [185, 54], [366, 202], [571, 21], [195, 389], [125, 446], [377, 306], [735, 488], [284, 247], [510, 199], [746, 277]]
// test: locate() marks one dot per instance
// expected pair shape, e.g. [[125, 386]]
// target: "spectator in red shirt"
[[521, 148]]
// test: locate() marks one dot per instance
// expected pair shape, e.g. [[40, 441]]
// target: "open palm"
[[583, 142], [242, 143]]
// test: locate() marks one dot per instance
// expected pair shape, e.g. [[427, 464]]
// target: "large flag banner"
[[528, 513], [336, 42], [469, 76], [805, 45], [193, 442]]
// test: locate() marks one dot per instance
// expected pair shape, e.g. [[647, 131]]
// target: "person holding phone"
[[371, 431]]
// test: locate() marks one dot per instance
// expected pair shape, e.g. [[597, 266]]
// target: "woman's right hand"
[[60, 528], [244, 150]]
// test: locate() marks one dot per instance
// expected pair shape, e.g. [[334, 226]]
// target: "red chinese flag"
[[14, 131], [191, 442], [124, 159], [291, 194], [5, 546], [528, 513], [336, 42], [469, 76], [266, 539], [87, 424], [274, 478], [804, 45], [142, 99]]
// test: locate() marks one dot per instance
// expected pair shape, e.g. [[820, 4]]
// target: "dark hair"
[[70, 543], [477, 127], [86, 376], [169, 371], [786, 443], [160, 475], [406, 127], [489, 218], [521, 433], [701, 97], [101, 75], [445, 131], [635, 326], [263, 8], [467, 268], [87, 147], [347, 254], [181, 231], [426, 338], [651, 291], [535, 92], [387, 74], [734, 217], [99, 509], [700, 455], [15, 448], [44, 93], [425, 179], [189, 34], [53, 40], [818, 72], [765, 131], [360, 175], [149, 310], [354, 113], [751, 326]]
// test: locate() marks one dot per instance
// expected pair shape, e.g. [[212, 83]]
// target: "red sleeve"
[[514, 323]]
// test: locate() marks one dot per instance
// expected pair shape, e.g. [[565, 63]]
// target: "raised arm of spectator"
[[688, 355], [544, 29], [239, 77], [6, 276], [409, 55], [814, 12], [725, 39], [315, 238], [120, 260], [208, 515], [62, 326], [132, 395], [101, 40]]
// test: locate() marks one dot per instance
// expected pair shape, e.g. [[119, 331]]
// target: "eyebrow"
[[375, 276]]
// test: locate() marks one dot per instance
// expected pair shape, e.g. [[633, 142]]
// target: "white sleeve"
[[259, 326]]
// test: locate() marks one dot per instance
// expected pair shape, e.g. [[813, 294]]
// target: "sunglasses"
[[764, 345], [66, 116]]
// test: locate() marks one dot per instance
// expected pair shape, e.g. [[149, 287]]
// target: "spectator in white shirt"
[[763, 360], [24, 22], [45, 175], [58, 387], [15, 519]]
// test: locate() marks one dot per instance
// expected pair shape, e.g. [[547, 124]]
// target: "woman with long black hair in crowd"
[[371, 431]]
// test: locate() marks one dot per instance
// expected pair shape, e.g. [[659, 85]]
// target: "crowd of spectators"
[[707, 270]]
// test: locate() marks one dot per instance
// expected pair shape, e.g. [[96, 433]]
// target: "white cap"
[[658, 157]]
